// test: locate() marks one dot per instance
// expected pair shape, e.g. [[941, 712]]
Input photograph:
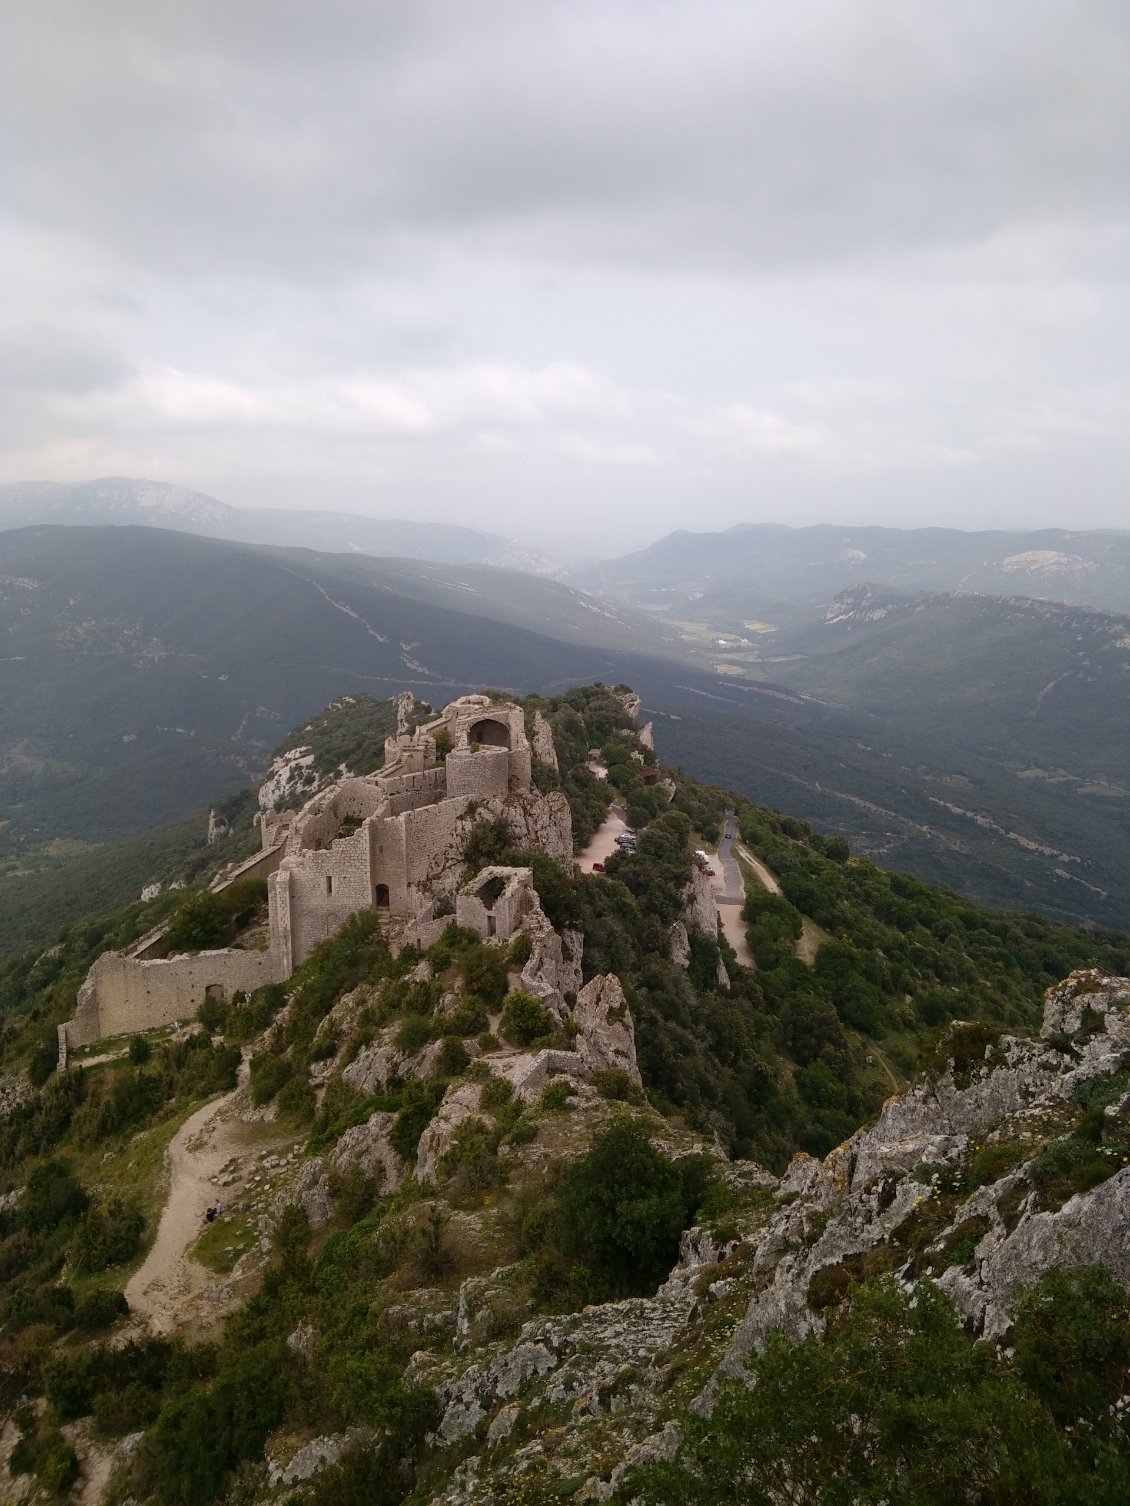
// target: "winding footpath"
[[163, 1289]]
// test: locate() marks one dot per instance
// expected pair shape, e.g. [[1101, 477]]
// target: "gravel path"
[[163, 1289]]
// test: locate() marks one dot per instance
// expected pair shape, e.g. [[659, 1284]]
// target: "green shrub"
[[269, 1073], [95, 1310], [555, 1095], [415, 1033], [621, 1209], [107, 1236], [1068, 1166], [495, 1093], [139, 1050], [524, 1019], [452, 1058]]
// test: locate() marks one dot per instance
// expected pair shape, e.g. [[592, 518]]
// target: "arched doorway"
[[381, 896], [490, 734]]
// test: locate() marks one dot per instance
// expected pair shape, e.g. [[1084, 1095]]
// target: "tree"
[[621, 1209]]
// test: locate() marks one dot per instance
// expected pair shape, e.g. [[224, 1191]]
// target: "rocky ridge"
[[592, 1393]]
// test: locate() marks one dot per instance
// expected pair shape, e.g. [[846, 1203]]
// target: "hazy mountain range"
[[977, 741], [784, 574], [156, 504]]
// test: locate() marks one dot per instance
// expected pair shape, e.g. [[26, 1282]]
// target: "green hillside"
[[339, 1314]]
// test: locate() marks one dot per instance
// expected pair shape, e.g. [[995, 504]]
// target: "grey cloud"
[[597, 262]]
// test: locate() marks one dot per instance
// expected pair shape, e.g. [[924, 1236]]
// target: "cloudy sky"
[[582, 272]]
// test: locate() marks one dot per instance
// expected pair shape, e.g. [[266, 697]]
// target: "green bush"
[[555, 1095], [107, 1236], [620, 1210], [524, 1019], [415, 1033], [95, 1310]]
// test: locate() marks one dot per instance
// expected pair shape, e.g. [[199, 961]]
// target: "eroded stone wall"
[[122, 994]]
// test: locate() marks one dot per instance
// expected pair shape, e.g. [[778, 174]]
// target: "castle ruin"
[[390, 842]]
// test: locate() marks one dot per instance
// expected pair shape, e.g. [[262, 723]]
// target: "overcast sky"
[[579, 272]]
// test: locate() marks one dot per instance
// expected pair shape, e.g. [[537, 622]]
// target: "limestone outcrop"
[[868, 1193], [607, 1036], [542, 742], [699, 907], [367, 1146]]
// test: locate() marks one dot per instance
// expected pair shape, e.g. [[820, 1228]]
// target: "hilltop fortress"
[[391, 842]]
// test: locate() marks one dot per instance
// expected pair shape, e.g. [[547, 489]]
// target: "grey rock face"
[[310, 1192], [607, 1037], [542, 743], [860, 1194], [680, 944], [460, 1102], [372, 1068], [367, 1145]]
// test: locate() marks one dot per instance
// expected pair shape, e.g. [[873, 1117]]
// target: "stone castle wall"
[[123, 994], [406, 854]]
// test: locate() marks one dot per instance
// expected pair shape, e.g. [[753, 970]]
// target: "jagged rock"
[[595, 1357], [553, 968], [303, 1339], [542, 742], [460, 1102], [699, 908], [1087, 990], [421, 973], [310, 1192], [630, 702], [503, 1424], [367, 1145], [543, 821], [315, 1457], [680, 944], [607, 1037], [424, 1064], [14, 1090], [1090, 1229], [860, 1194], [722, 977], [647, 736], [372, 1068]]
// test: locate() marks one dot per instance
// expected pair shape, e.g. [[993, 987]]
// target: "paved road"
[[729, 891]]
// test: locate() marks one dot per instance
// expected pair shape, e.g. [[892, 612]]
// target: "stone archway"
[[381, 897], [489, 733]]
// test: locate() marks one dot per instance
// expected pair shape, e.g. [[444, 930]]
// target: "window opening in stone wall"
[[490, 734], [329, 883], [380, 896]]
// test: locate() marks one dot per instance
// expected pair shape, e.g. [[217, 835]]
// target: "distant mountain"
[[786, 574], [156, 504], [145, 671], [1039, 685]]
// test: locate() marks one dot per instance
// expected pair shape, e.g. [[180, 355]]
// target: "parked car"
[[709, 872], [598, 867]]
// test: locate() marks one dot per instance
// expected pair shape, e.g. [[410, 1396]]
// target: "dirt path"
[[603, 843], [163, 1292], [760, 869]]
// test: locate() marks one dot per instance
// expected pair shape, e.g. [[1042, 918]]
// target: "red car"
[[598, 867]]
